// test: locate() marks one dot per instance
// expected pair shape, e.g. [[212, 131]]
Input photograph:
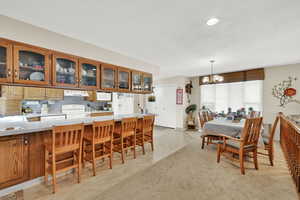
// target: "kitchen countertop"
[[23, 127]]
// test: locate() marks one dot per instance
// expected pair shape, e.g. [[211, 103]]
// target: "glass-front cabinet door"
[[89, 74], [147, 82], [123, 79], [108, 76], [31, 65], [5, 61], [65, 70], [136, 80]]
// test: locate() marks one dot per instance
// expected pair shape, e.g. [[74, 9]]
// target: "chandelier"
[[212, 79]]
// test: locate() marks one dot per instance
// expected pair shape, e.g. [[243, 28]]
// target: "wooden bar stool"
[[145, 134], [98, 143], [126, 138], [65, 139]]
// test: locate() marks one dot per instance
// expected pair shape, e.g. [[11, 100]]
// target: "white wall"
[[179, 82], [19, 31], [273, 76]]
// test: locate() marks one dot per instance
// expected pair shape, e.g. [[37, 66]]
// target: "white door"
[[164, 106]]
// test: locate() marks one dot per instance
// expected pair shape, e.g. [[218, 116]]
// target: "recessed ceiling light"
[[212, 21]]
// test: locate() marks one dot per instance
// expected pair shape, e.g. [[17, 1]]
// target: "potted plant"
[[190, 118]]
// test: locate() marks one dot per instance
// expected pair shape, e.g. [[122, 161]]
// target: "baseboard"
[[28, 184]]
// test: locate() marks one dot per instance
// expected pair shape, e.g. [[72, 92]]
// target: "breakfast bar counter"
[[23, 127], [22, 154]]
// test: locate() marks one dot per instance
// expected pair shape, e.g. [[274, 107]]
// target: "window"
[[219, 97]]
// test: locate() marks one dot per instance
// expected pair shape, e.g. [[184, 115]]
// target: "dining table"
[[227, 127]]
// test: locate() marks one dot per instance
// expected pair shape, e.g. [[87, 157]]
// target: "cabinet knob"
[[26, 141], [8, 73], [16, 73]]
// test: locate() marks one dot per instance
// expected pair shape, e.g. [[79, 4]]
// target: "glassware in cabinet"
[[65, 70], [136, 81], [108, 76], [5, 61], [147, 82], [123, 79], [89, 74], [31, 65]]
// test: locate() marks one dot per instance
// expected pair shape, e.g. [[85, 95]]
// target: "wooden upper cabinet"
[[5, 61], [136, 81], [108, 77], [65, 70], [14, 160], [89, 74], [147, 82], [124, 77], [31, 65]]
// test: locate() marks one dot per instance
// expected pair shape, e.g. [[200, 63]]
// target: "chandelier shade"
[[212, 79]]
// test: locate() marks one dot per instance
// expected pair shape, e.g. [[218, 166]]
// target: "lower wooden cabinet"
[[14, 160]]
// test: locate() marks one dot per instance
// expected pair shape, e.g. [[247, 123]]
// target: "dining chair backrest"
[[103, 129], [254, 114], [67, 136], [205, 116], [201, 119], [210, 116], [129, 126], [148, 123], [273, 129], [251, 131]]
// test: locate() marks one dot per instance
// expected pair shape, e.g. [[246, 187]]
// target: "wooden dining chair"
[[98, 143], [64, 139], [205, 116], [254, 114], [145, 134], [210, 116], [241, 146], [268, 140], [126, 138], [202, 120]]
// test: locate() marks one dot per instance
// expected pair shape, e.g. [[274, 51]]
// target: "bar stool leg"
[[111, 154], [94, 161], [152, 146], [122, 150], [134, 144], [54, 172]]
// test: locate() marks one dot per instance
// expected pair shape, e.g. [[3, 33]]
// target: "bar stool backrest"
[[128, 126], [103, 129], [67, 137], [148, 123]]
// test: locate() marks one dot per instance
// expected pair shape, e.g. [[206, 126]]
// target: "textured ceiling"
[[173, 33]]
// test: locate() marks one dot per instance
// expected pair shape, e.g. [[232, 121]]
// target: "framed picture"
[[179, 96]]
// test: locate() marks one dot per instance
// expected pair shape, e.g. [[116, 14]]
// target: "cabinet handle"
[[16, 73], [8, 73]]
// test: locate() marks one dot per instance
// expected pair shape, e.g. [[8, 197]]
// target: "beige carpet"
[[14, 196], [192, 173]]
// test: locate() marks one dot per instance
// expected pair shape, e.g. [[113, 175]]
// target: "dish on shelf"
[[37, 76]]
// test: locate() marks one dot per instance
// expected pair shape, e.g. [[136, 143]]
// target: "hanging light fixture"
[[212, 79]]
